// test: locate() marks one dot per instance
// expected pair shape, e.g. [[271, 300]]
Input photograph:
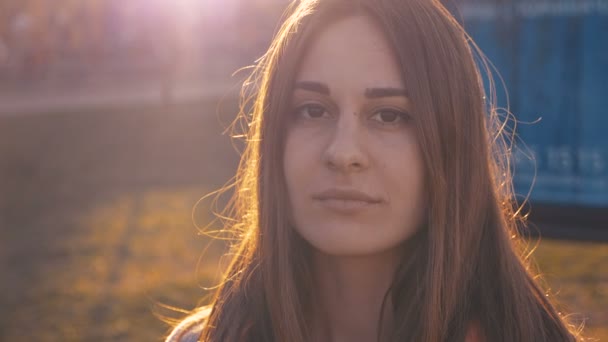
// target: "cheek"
[[296, 170], [399, 158], [296, 161], [404, 179]]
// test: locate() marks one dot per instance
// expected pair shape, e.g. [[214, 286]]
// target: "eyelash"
[[403, 116]]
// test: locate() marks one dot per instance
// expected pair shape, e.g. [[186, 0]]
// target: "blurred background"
[[112, 127]]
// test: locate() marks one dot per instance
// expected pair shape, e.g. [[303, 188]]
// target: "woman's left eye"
[[390, 116]]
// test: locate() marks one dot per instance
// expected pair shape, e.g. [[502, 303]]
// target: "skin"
[[342, 135]]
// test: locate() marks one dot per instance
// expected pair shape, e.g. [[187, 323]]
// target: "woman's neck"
[[350, 292]]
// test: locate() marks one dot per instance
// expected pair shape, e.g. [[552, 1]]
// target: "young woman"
[[373, 200]]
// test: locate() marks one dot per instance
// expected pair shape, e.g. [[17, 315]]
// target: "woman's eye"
[[311, 111], [389, 116]]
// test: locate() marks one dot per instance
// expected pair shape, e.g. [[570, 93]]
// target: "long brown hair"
[[465, 261]]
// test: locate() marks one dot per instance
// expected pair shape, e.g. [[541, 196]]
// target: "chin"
[[352, 241]]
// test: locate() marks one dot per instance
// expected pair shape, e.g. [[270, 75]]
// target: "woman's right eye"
[[311, 111]]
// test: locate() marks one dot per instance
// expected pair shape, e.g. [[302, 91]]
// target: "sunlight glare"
[[186, 7]]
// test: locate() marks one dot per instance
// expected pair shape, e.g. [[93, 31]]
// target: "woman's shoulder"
[[190, 328]]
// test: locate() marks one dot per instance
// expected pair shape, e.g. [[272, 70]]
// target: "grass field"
[[97, 233]]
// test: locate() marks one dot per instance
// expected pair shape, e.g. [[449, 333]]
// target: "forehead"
[[351, 54]]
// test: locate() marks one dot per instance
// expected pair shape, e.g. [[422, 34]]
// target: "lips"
[[346, 201], [346, 195]]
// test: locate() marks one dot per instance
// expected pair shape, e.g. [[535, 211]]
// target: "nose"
[[345, 151]]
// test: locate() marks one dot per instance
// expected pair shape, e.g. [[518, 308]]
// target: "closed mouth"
[[346, 195]]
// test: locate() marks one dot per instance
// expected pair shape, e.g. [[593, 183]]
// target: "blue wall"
[[553, 57]]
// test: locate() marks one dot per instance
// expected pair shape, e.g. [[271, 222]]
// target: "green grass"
[[576, 276]]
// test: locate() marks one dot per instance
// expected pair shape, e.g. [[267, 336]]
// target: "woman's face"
[[352, 163]]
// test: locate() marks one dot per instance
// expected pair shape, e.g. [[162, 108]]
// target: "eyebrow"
[[372, 93]]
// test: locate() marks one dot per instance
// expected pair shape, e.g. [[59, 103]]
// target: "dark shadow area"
[[570, 222]]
